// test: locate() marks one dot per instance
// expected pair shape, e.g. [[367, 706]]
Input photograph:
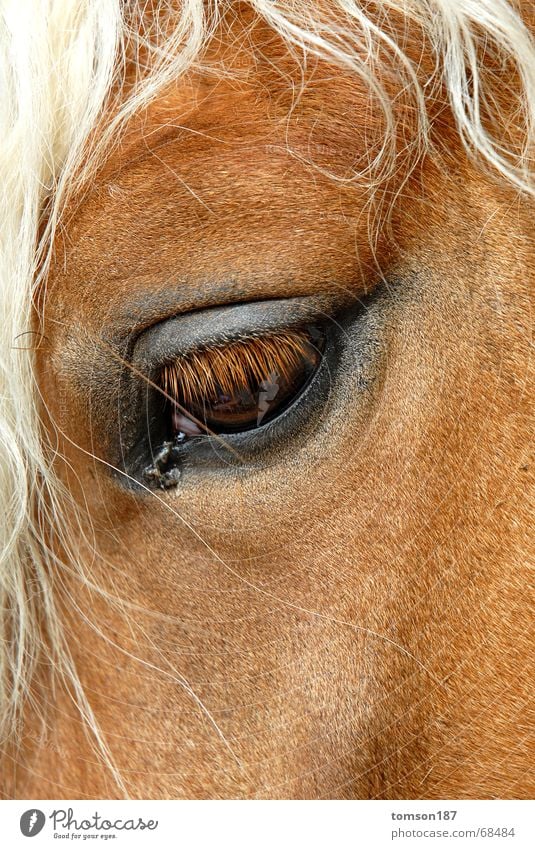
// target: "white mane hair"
[[62, 67]]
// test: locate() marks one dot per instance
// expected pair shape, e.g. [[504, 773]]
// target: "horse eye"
[[239, 386]]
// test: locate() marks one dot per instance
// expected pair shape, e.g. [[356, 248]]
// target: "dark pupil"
[[254, 401]]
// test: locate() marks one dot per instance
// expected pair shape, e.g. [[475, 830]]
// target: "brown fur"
[[354, 615]]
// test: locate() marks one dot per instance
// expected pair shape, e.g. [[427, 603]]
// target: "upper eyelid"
[[220, 327]]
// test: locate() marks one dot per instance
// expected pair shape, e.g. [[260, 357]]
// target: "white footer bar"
[[269, 824]]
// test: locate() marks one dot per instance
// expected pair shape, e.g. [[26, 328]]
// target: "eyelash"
[[192, 379]]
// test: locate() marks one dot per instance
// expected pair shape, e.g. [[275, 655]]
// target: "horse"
[[267, 293]]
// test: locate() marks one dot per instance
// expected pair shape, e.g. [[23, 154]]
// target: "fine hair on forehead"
[[70, 67]]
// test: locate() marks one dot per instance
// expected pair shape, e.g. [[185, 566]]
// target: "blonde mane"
[[69, 65]]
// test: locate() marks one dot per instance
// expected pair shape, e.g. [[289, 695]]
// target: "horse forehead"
[[246, 120], [213, 181], [241, 153]]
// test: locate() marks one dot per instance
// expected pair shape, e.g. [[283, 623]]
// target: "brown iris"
[[241, 385]]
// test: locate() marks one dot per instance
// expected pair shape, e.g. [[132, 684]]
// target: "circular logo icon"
[[31, 822]]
